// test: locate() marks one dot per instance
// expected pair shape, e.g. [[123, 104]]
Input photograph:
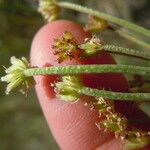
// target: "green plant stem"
[[126, 51], [114, 95], [132, 38], [78, 69], [104, 16], [145, 107]]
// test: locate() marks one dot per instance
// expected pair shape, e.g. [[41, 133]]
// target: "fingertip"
[[72, 124]]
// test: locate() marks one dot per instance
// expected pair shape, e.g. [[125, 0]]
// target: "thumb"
[[72, 124]]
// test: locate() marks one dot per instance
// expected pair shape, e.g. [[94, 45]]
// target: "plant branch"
[[126, 51], [114, 95], [78, 69], [104, 16], [70, 88]]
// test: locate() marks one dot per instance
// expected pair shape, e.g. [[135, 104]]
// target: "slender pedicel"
[[94, 45], [78, 69], [115, 95]]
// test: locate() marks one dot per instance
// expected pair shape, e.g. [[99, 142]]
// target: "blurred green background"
[[22, 125]]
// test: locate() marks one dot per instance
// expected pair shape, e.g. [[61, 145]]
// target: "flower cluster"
[[69, 88], [15, 76], [114, 122], [136, 139], [91, 46], [65, 47]]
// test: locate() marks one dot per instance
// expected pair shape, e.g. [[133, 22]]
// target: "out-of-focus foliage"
[[22, 125]]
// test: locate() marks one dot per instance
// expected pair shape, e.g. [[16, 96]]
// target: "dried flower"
[[49, 9], [15, 76], [96, 24]]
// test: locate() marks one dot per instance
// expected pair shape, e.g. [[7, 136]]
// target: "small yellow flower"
[[15, 76]]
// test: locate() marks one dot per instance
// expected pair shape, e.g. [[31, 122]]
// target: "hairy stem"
[[107, 17], [126, 51], [78, 69], [114, 95]]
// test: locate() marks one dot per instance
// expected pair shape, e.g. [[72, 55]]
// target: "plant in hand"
[[71, 65]]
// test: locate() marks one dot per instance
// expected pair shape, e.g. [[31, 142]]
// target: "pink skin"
[[72, 124]]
